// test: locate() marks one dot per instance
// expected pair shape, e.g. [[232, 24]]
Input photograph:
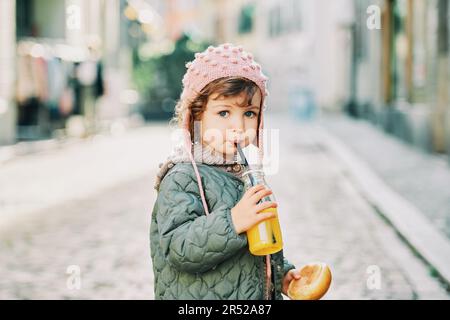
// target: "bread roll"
[[315, 279]]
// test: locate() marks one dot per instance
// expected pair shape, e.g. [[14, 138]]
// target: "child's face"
[[225, 121]]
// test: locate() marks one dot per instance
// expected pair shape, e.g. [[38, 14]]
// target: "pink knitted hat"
[[225, 60]]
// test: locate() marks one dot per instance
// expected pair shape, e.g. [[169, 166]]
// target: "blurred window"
[[401, 47], [361, 34], [296, 15], [448, 50], [419, 68], [40, 18], [246, 18], [285, 17], [24, 18], [275, 21]]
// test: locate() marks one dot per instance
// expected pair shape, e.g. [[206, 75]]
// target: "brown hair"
[[223, 87]]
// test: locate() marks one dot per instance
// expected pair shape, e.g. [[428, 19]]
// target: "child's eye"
[[223, 113], [250, 114]]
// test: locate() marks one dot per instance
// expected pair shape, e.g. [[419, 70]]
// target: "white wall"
[[317, 57], [330, 51], [7, 76]]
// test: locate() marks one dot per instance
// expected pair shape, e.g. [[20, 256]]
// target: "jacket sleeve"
[[287, 266], [191, 241]]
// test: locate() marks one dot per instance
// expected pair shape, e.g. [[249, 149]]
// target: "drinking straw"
[[244, 159]]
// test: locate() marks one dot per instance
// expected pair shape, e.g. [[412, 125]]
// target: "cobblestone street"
[[104, 230]]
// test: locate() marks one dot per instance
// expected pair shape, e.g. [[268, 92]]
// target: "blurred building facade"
[[267, 28], [67, 63], [319, 55], [400, 73], [332, 55], [302, 45]]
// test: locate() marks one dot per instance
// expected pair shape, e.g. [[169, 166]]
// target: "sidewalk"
[[47, 178], [11, 152], [423, 179], [406, 186], [327, 218], [24, 148]]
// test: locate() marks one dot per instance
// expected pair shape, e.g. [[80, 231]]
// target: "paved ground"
[[105, 235], [421, 178], [35, 182], [102, 229], [330, 221]]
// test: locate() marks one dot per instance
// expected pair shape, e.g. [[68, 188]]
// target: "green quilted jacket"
[[202, 257]]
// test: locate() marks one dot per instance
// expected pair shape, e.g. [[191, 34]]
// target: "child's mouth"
[[230, 147], [234, 142]]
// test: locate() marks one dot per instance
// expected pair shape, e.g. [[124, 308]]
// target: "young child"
[[199, 221]]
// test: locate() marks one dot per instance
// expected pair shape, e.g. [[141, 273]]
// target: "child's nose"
[[237, 132], [238, 125], [236, 135]]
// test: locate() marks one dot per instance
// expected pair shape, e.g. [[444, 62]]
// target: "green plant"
[[158, 79]]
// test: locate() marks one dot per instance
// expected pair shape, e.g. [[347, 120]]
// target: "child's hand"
[[245, 214], [290, 275]]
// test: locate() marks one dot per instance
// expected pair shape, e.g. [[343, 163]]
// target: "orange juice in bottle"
[[264, 238]]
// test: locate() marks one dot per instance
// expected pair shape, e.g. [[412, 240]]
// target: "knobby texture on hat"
[[225, 60]]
